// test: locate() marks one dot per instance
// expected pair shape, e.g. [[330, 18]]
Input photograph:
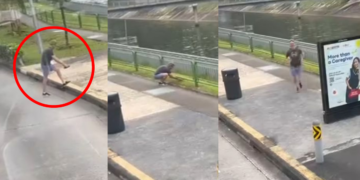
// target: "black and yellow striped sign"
[[317, 132]]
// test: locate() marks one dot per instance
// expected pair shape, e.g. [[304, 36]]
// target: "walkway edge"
[[286, 163], [121, 168], [71, 88]]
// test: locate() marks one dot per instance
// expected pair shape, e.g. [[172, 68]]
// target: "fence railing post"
[[231, 40], [271, 44], [79, 18], [195, 75], [109, 57], [161, 58], [98, 21], [52, 16], [46, 16], [135, 61], [251, 44]]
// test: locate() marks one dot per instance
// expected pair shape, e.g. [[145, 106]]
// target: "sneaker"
[[45, 94], [297, 89], [162, 83], [300, 85], [65, 83]]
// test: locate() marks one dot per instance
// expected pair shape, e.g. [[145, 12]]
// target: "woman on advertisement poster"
[[352, 82]]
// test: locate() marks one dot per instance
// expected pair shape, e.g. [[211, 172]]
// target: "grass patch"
[[31, 50], [308, 65], [89, 22], [148, 72]]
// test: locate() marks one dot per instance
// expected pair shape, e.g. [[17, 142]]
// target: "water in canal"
[[308, 28], [175, 36]]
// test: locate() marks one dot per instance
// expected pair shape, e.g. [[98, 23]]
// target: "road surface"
[[38, 143], [237, 160]]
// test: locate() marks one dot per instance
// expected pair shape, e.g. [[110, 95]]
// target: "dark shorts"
[[296, 71], [46, 69]]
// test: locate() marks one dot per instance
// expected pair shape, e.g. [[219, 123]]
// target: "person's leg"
[[294, 74], [46, 71], [162, 77], [57, 70], [299, 76]]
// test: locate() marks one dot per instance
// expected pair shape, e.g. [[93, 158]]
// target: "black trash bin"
[[115, 119], [231, 83]]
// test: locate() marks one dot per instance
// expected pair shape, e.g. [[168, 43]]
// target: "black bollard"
[[115, 119], [231, 83]]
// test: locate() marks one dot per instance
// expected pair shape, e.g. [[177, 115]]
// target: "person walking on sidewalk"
[[163, 72], [47, 67], [295, 55]]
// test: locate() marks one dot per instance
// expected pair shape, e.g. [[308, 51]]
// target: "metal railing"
[[271, 44], [95, 22], [133, 3], [200, 70]]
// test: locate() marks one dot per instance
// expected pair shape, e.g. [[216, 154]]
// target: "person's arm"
[[58, 61], [347, 82], [170, 75]]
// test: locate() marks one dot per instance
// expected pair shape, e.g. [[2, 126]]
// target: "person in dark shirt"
[[352, 81], [295, 55], [46, 66], [163, 72]]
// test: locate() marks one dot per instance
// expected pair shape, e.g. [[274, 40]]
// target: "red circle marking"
[[92, 67]]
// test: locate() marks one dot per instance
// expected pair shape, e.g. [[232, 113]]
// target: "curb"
[[286, 163], [121, 168], [71, 88]]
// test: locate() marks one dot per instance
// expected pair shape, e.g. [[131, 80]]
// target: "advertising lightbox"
[[339, 63]]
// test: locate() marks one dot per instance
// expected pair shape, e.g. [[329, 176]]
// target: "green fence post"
[[109, 57], [271, 43], [46, 16], [65, 26], [135, 61], [251, 44], [98, 21], [161, 58], [52, 16], [79, 18], [195, 76], [231, 40]]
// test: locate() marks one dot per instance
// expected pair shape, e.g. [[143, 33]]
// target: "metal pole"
[[298, 9], [126, 35], [36, 26], [318, 142], [194, 6], [244, 19]]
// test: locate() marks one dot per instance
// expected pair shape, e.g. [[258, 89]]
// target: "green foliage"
[[7, 51]]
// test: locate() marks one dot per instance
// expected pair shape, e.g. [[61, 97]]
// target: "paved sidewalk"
[[271, 105], [165, 140], [80, 71], [38, 143], [83, 33]]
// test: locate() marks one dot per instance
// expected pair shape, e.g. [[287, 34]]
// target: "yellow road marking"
[[129, 167]]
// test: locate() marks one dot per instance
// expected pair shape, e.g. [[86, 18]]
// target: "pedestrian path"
[[271, 105], [190, 100], [83, 33], [159, 133]]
